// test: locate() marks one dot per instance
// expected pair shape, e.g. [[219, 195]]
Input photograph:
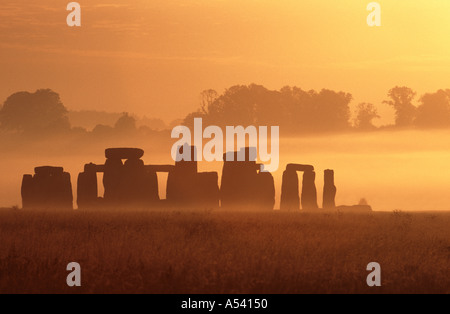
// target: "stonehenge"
[[127, 181]]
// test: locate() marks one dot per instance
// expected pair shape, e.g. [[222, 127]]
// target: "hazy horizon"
[[393, 170], [142, 56]]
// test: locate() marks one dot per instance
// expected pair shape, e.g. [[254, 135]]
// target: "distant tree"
[[207, 98], [313, 111], [235, 106], [152, 123], [291, 108], [401, 100], [103, 130], [125, 124], [434, 110], [332, 110], [37, 112], [364, 115]]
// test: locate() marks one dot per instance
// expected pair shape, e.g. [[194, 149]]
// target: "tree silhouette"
[[292, 108], [125, 124], [207, 98], [401, 100], [365, 114], [37, 112], [434, 110]]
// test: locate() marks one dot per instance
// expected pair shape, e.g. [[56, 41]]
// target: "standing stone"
[[151, 187], [290, 199], [112, 180], [309, 192], [207, 190], [239, 186], [329, 190], [87, 191], [49, 188], [133, 187], [181, 182], [66, 191], [28, 197], [266, 190]]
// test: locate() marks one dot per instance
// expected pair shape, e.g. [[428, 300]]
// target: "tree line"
[[295, 110], [42, 114], [298, 111]]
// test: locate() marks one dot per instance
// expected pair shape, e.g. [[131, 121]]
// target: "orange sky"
[[154, 57]]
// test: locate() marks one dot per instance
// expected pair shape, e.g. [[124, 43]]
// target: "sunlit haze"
[[154, 57]]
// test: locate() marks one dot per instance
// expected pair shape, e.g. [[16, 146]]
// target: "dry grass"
[[155, 252]]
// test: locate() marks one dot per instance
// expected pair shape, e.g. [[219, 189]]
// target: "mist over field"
[[404, 170]]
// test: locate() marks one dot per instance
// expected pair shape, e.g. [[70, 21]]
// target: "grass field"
[[177, 252]]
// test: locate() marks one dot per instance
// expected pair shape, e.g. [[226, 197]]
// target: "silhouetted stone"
[[87, 192], [298, 167], [266, 190], [186, 188], [66, 191], [87, 187], [239, 186], [208, 190], [181, 182], [290, 199], [187, 167], [49, 188], [124, 153], [243, 185], [309, 192], [112, 180], [246, 154], [27, 191], [139, 186], [151, 195], [48, 171], [329, 190], [132, 183]]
